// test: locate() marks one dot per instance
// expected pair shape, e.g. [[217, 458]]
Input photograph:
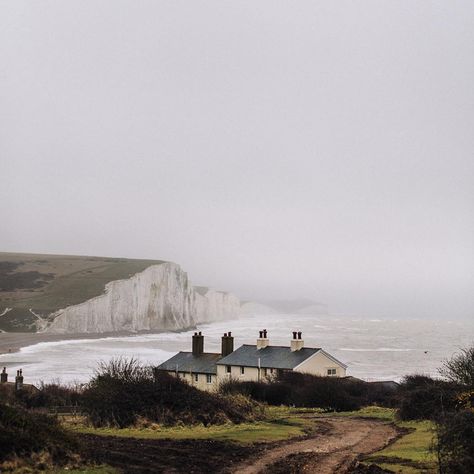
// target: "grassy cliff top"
[[46, 283]]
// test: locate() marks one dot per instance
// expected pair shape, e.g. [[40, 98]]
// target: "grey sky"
[[274, 149]]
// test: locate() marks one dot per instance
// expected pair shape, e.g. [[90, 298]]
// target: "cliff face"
[[216, 305], [159, 298]]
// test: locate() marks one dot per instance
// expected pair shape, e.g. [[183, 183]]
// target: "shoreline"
[[13, 342]]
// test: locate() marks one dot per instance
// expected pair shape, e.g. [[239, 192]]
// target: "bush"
[[50, 395], [123, 391], [23, 432], [460, 368], [304, 390], [424, 398], [455, 443]]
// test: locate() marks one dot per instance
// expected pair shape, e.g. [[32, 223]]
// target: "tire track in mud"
[[325, 453]]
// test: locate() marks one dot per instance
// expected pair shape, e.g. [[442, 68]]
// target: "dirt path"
[[328, 453]]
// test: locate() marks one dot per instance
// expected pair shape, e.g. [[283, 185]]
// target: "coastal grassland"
[[89, 470], [411, 453], [206, 448], [46, 283], [280, 423]]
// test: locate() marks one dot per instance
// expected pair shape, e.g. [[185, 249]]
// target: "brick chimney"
[[262, 340], [296, 343], [4, 376], [19, 380], [198, 344], [227, 346]]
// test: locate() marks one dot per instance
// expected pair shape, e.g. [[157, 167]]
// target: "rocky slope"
[[159, 298]]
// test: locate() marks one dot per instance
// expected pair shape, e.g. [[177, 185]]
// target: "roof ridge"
[[284, 347]]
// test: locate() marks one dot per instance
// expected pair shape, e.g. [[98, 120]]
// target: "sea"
[[373, 349]]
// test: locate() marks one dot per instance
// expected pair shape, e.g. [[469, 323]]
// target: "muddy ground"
[[334, 448], [145, 456]]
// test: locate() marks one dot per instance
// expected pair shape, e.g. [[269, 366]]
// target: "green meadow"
[[46, 283]]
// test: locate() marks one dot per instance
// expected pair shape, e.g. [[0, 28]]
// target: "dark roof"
[[276, 357], [353, 379], [188, 362], [386, 384], [26, 386]]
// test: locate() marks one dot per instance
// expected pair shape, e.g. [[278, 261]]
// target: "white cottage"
[[258, 362]]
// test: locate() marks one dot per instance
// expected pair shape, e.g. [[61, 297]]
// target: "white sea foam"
[[362, 345], [377, 349]]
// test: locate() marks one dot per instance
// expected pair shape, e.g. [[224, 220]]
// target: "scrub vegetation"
[[127, 408], [30, 438], [123, 391], [439, 418], [46, 283], [310, 391], [276, 424]]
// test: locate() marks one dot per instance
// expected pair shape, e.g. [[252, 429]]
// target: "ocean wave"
[[378, 349]]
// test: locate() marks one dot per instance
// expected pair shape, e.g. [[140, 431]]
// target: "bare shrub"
[[123, 391], [460, 368]]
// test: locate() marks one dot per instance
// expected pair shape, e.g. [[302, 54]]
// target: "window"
[[265, 371], [242, 370], [208, 378], [331, 371], [196, 377], [228, 369]]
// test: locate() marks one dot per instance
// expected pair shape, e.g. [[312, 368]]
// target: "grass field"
[[280, 424], [410, 454], [46, 283], [89, 470]]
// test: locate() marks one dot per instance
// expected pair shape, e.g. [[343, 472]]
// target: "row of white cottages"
[[261, 361]]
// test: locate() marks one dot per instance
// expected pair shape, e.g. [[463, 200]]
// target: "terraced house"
[[258, 362]]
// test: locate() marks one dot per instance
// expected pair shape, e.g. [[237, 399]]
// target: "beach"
[[11, 342], [373, 349]]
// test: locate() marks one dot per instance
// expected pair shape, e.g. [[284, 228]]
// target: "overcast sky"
[[273, 149]]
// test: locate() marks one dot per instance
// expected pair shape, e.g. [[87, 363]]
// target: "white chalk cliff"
[[161, 297]]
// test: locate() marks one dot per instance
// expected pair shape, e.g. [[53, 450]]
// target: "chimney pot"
[[299, 335], [230, 334], [294, 334]]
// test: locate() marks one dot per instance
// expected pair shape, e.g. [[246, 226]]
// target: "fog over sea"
[[373, 349]]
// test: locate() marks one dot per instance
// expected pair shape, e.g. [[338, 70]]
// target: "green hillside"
[[46, 283]]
